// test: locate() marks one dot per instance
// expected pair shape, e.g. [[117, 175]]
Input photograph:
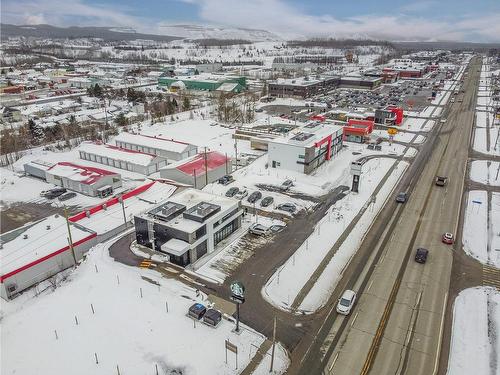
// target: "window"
[[302, 156]]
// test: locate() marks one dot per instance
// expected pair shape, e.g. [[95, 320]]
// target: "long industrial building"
[[169, 149]]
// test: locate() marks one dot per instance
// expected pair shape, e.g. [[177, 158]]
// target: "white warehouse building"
[[130, 160], [169, 149]]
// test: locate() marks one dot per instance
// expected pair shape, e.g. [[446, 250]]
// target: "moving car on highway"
[[421, 255], [441, 180], [402, 197], [346, 302], [447, 238]]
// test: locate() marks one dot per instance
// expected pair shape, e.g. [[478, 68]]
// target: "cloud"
[[276, 16], [65, 13], [279, 17]]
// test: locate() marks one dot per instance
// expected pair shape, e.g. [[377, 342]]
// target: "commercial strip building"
[[305, 151], [130, 160], [305, 87], [91, 181], [204, 82], [188, 225], [168, 149], [198, 170]]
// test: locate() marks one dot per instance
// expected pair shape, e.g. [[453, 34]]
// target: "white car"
[[258, 229], [241, 194], [346, 302]]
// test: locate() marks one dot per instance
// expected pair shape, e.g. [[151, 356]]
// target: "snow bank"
[[475, 232], [485, 172], [476, 326]]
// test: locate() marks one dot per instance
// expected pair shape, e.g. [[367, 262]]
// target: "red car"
[[447, 238]]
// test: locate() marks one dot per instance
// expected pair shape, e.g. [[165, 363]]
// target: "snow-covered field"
[[57, 332], [486, 172], [283, 287], [480, 141], [476, 333], [479, 240]]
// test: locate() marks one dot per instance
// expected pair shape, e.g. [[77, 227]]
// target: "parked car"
[[232, 191], [254, 197], [67, 196], [447, 238], [226, 180], [54, 193], [421, 255], [258, 229], [241, 194], [441, 180], [259, 110], [267, 201], [346, 302], [275, 228], [288, 207], [402, 197], [287, 184]]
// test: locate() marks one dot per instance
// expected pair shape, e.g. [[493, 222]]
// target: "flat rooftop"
[[160, 143], [308, 135], [26, 245], [117, 153]]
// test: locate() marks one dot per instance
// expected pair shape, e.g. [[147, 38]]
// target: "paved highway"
[[396, 326]]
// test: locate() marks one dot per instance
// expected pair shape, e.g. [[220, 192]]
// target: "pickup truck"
[[441, 180]]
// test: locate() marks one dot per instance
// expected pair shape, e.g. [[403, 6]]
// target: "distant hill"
[[219, 32], [448, 45], [73, 32]]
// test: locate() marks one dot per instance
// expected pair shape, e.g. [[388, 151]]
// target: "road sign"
[[231, 347], [392, 131]]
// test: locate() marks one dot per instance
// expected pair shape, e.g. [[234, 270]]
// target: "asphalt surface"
[[397, 324]]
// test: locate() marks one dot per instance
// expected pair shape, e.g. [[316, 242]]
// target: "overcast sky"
[[461, 20]]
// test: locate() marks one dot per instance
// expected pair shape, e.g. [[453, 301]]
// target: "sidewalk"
[[257, 358]]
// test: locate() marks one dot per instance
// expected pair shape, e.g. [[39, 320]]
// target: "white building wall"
[[286, 155]]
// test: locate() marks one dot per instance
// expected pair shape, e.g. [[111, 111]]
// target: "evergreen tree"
[[121, 120], [36, 132], [186, 104]]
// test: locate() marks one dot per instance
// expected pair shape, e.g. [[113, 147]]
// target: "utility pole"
[[70, 238], [206, 167], [194, 176], [120, 199], [236, 152], [274, 345]]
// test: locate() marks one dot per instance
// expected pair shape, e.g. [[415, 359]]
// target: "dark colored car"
[[267, 201], [421, 255], [288, 207], [402, 197], [226, 180], [232, 192], [54, 193], [254, 197], [67, 196]]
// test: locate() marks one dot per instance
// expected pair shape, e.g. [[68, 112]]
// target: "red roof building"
[[358, 130], [198, 170]]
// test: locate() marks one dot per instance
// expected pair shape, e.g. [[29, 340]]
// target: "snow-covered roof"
[[175, 247], [309, 135], [117, 153], [196, 163], [43, 238], [153, 142], [103, 221], [75, 172]]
